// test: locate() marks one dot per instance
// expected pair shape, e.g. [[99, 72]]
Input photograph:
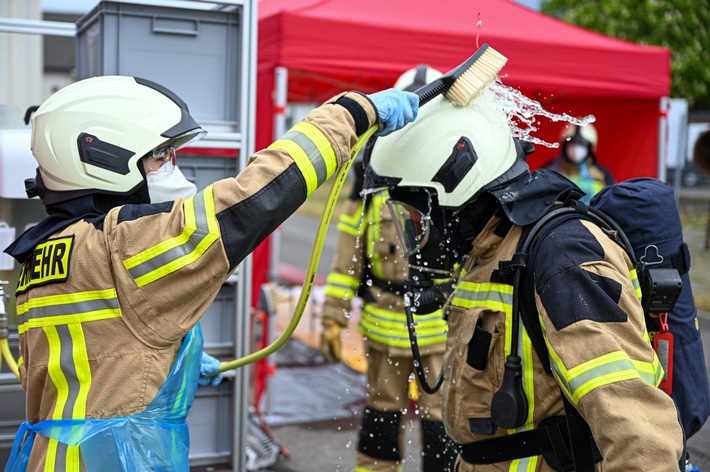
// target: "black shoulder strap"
[[524, 286], [524, 292]]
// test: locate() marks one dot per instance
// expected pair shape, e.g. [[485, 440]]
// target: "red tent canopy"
[[333, 45]]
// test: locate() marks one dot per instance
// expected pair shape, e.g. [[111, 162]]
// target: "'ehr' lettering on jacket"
[[48, 264]]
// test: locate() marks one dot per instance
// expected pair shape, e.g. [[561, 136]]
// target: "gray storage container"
[[218, 323], [210, 424], [12, 402], [12, 413], [203, 170], [195, 53]]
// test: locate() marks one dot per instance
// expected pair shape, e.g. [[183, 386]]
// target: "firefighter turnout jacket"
[[587, 297], [369, 261], [104, 304]]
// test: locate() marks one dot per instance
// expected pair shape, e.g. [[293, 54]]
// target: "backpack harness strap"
[[566, 443], [548, 438], [554, 439]]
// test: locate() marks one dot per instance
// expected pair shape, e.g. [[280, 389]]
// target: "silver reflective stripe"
[[182, 250], [168, 256], [311, 150], [66, 360], [71, 308]]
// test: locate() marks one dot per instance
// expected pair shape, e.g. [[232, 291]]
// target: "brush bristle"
[[476, 78]]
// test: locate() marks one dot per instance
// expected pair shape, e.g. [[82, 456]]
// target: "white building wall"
[[21, 57]]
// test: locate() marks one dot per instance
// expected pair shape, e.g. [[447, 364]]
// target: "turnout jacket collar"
[[59, 217], [526, 199]]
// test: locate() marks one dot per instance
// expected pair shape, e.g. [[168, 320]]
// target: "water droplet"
[[522, 112]]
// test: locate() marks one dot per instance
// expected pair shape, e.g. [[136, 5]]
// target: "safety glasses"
[[412, 226], [162, 159]]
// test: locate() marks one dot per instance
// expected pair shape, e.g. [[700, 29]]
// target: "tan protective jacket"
[[599, 350], [103, 306], [370, 238]]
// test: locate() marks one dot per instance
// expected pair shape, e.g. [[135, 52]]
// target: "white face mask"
[[169, 186], [577, 153]]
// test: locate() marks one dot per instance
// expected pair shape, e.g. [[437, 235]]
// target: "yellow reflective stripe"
[[374, 229], [50, 460], [526, 464], [604, 370], [528, 375], [65, 299], [302, 162], [652, 373], [83, 371], [343, 280], [178, 263], [635, 282], [351, 224], [339, 292], [491, 295], [73, 461], [325, 149], [54, 369], [390, 328], [311, 151], [525, 348], [69, 319], [341, 286], [201, 230], [56, 375], [210, 216], [20, 361], [159, 248]]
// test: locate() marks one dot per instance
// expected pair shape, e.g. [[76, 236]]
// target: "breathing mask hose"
[[416, 356], [312, 264], [426, 298], [4, 333]]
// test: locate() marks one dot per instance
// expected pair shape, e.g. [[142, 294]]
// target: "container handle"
[[173, 25]]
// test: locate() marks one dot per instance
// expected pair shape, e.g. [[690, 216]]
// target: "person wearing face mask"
[[459, 185], [114, 280], [167, 183], [577, 160]]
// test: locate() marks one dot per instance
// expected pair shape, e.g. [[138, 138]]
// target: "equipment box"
[[193, 51], [203, 170], [210, 425]]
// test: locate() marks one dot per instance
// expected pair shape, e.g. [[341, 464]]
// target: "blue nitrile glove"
[[395, 108], [208, 366]]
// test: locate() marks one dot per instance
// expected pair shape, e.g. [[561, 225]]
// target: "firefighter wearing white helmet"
[[461, 192], [369, 263], [115, 279], [578, 162]]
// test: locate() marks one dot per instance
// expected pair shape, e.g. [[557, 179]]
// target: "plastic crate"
[[204, 170], [12, 413], [210, 425], [194, 52], [218, 323]]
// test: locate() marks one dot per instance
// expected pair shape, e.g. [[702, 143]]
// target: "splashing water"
[[524, 110]]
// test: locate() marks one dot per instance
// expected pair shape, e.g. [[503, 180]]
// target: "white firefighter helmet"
[[457, 151], [586, 135], [90, 136], [416, 77]]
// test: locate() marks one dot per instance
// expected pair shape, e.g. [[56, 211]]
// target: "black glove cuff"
[[357, 112]]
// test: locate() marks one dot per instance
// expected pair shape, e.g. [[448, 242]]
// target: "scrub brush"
[[461, 84]]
